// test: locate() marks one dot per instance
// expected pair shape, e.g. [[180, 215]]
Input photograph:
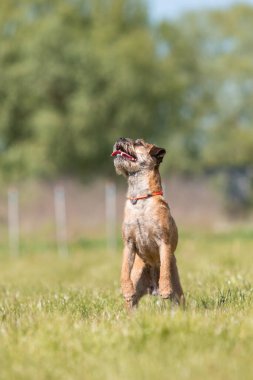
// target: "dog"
[[149, 231]]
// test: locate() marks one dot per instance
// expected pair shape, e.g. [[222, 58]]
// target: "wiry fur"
[[149, 231]]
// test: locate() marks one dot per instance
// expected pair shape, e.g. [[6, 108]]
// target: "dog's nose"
[[122, 139]]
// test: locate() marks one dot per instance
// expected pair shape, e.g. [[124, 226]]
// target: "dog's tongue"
[[122, 154], [115, 153]]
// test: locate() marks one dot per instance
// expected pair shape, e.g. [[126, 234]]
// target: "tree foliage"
[[77, 74]]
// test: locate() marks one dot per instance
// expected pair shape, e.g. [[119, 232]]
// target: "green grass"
[[64, 318]]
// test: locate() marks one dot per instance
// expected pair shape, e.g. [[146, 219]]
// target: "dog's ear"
[[158, 153]]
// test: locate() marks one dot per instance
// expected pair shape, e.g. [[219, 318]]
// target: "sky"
[[161, 9]]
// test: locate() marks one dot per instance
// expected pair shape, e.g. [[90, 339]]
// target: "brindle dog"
[[149, 231]]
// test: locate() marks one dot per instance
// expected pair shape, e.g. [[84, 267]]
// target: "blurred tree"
[[219, 135], [218, 103], [77, 74]]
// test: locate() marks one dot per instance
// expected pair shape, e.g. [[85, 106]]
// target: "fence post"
[[13, 222], [110, 212], [61, 221]]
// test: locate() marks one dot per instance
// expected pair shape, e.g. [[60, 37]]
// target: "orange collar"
[[135, 199]]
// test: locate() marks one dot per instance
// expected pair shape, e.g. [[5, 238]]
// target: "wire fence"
[[65, 212], [58, 214]]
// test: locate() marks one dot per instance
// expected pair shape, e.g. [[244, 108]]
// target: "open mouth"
[[119, 152]]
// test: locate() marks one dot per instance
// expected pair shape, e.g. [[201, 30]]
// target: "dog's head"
[[132, 156]]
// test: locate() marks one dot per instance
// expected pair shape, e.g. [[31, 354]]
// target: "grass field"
[[64, 318]]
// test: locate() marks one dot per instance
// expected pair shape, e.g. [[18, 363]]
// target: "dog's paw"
[[166, 292], [174, 298], [171, 296], [131, 302], [167, 296]]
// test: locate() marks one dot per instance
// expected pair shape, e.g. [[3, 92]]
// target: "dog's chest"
[[141, 226]]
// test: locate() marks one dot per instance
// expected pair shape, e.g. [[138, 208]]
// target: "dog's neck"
[[144, 182]]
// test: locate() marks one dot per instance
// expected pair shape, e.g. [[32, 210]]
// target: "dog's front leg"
[[166, 262], [126, 282]]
